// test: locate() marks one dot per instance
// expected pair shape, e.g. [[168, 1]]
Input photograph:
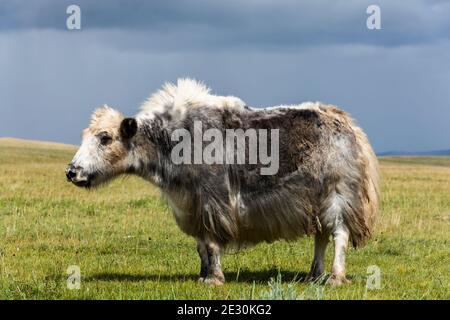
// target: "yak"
[[326, 184]]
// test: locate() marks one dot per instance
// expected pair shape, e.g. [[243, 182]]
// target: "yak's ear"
[[128, 128]]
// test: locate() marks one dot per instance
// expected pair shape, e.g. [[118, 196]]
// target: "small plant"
[[315, 290], [279, 292]]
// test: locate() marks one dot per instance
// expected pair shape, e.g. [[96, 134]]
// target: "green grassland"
[[127, 245]]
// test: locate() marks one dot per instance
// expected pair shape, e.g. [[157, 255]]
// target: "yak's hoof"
[[212, 281], [337, 280]]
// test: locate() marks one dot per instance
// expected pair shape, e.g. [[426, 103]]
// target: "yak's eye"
[[105, 139]]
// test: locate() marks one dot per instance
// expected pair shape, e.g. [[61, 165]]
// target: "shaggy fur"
[[327, 182]]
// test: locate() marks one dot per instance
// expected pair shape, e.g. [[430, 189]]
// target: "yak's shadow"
[[260, 276]]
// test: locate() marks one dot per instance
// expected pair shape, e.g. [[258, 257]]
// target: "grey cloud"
[[220, 24]]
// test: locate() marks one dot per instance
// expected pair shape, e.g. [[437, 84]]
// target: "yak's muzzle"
[[75, 175]]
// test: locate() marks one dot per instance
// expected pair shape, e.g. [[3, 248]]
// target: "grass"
[[127, 245]]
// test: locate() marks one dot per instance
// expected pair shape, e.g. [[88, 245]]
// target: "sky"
[[394, 81]]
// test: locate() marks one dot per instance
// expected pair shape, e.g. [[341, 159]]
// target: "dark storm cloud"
[[262, 23]]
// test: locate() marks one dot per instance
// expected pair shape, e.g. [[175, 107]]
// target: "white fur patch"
[[187, 93]]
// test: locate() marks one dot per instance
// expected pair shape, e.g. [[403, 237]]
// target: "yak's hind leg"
[[340, 238], [211, 270], [318, 264], [333, 221]]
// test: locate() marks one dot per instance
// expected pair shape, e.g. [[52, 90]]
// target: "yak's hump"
[[175, 99]]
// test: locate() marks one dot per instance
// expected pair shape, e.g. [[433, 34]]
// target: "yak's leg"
[[340, 237], [214, 275], [318, 264], [204, 262]]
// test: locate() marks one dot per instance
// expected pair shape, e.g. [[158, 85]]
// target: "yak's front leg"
[[204, 261], [215, 275], [210, 260]]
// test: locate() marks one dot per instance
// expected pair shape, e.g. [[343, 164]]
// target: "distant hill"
[[23, 143], [14, 142], [414, 153]]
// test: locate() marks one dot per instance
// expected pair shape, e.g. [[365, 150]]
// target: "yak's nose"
[[71, 172]]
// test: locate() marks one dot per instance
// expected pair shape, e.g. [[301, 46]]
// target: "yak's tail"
[[370, 189]]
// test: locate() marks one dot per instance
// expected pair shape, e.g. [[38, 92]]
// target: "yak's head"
[[105, 149]]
